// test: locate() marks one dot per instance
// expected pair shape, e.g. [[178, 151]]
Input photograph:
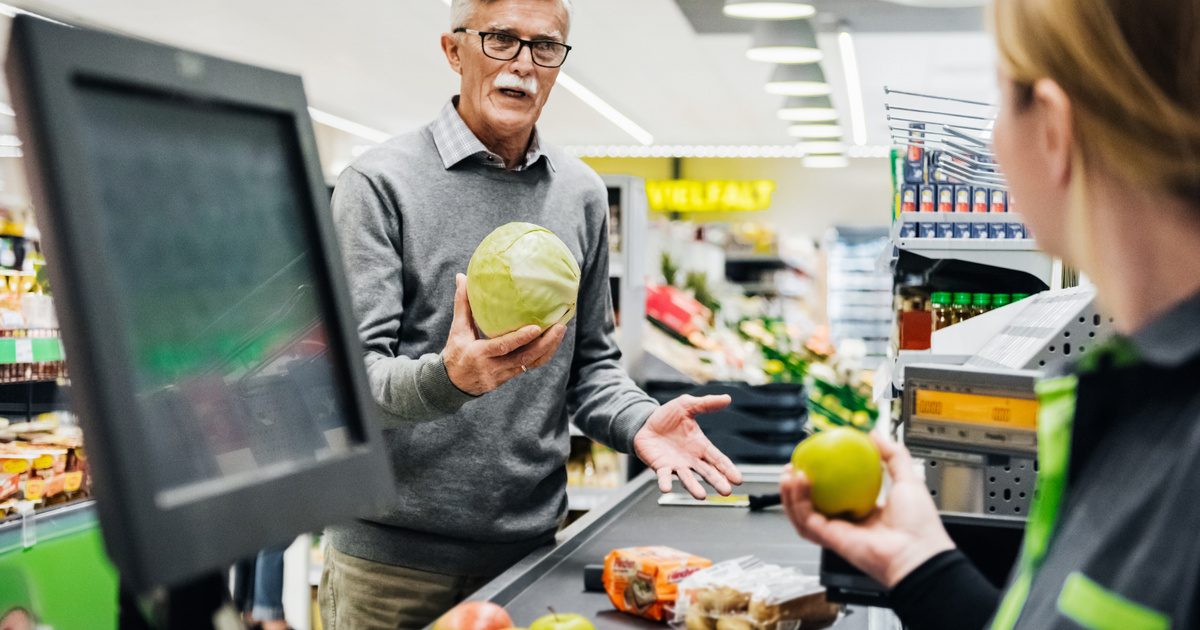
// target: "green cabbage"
[[521, 274]]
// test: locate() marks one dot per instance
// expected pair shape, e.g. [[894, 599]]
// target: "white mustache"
[[509, 80]]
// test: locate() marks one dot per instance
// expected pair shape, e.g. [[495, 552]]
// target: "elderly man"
[[478, 428]]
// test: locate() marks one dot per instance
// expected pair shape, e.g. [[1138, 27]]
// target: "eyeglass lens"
[[504, 47]]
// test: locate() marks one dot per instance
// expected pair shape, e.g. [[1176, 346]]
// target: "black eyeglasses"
[[504, 47]]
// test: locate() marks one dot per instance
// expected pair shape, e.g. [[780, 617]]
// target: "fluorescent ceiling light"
[[870, 151], [601, 106], [808, 109], [788, 41], [858, 118], [687, 151], [825, 161], [815, 131], [798, 80], [349, 126], [822, 148], [604, 109], [768, 10]]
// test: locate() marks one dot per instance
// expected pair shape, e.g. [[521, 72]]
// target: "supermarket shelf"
[[28, 350], [48, 524], [1018, 255]]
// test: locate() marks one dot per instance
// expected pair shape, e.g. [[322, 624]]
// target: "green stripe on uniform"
[[1094, 607]]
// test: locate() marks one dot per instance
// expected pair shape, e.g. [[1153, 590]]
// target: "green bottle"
[[1001, 299], [981, 304], [1017, 297], [942, 315], [961, 311]]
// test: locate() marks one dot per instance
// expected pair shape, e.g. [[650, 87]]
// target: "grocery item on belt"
[[644, 580], [748, 594]]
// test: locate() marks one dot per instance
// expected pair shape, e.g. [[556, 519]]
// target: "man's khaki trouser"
[[357, 594]]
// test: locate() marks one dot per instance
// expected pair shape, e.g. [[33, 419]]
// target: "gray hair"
[[461, 10]]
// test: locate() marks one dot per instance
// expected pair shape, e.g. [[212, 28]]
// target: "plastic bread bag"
[[748, 594]]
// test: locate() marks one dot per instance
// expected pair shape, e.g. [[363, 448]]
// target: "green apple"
[[562, 621], [845, 470]]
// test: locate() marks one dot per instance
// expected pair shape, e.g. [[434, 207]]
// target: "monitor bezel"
[[152, 545]]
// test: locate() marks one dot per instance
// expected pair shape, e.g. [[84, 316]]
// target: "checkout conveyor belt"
[[553, 577]]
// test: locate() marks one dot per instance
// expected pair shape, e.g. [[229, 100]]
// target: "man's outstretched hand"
[[671, 443]]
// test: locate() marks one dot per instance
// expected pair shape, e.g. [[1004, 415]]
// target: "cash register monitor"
[[207, 324]]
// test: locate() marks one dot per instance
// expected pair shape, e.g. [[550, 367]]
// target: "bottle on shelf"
[[961, 309], [980, 304], [1000, 300], [1017, 297], [942, 312]]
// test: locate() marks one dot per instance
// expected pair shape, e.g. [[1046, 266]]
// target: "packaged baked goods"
[[644, 580], [747, 594]]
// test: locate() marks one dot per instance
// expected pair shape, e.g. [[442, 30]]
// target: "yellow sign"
[[1013, 413], [687, 195]]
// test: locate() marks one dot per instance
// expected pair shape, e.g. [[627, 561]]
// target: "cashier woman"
[[1099, 136]]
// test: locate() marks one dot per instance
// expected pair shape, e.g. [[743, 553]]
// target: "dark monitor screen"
[[218, 292], [198, 281]]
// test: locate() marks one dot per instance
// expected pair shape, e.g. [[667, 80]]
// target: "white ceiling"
[[378, 62]]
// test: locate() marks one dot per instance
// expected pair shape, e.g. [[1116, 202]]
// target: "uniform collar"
[[456, 142], [1173, 338]]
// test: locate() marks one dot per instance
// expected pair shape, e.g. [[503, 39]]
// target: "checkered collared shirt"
[[455, 143]]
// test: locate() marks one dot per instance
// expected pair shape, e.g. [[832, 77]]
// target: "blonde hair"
[[1132, 71]]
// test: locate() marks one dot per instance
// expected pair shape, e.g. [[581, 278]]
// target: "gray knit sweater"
[[479, 481]]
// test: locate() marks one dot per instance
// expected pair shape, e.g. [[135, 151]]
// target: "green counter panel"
[[65, 578]]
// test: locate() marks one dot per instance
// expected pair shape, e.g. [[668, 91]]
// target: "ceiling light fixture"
[[802, 80], [869, 151], [815, 131], [788, 41], [768, 10], [604, 109], [808, 109], [348, 126], [601, 106], [825, 161], [791, 151], [858, 118], [823, 148]]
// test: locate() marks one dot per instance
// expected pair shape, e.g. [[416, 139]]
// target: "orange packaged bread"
[[644, 581]]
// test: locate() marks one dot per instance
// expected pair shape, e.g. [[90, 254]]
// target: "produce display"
[[845, 470], [644, 581], [747, 594], [521, 275]]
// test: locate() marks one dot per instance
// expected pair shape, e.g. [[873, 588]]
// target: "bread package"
[[644, 580], [747, 594]]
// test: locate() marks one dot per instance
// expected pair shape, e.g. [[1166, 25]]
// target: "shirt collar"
[[1173, 338], [456, 142]]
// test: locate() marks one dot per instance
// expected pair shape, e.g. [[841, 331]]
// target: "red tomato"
[[475, 616]]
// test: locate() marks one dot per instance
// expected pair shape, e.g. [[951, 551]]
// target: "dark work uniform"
[[1113, 538]]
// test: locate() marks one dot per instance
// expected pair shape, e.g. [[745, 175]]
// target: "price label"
[[24, 350], [34, 489], [73, 481]]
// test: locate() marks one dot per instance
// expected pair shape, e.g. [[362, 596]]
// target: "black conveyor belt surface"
[[555, 578]]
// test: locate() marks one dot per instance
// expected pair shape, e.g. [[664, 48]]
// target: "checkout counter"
[[554, 577]]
